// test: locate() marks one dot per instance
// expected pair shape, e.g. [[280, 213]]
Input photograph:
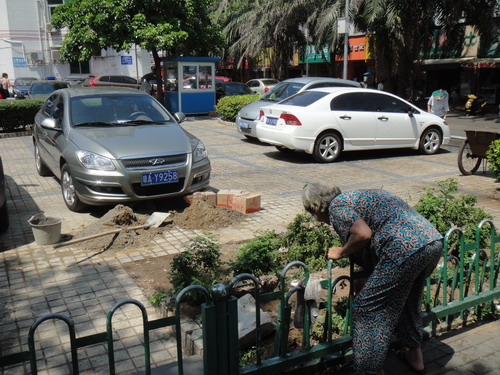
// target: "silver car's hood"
[[129, 141], [251, 111]]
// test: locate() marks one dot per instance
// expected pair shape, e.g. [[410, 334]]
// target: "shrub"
[[16, 114], [308, 240], [445, 209], [200, 264], [493, 157], [229, 106], [260, 255]]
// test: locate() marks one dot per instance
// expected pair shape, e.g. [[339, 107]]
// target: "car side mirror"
[[411, 111], [179, 117], [49, 123]]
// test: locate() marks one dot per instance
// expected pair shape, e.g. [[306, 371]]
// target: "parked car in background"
[[110, 145], [22, 86], [43, 89], [324, 122], [4, 215], [190, 82], [223, 89], [262, 85], [248, 116], [111, 80]]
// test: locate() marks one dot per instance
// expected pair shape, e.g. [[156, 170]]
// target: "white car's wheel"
[[68, 190], [430, 142], [327, 148]]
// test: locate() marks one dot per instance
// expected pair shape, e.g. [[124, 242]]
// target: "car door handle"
[[345, 117], [383, 118]]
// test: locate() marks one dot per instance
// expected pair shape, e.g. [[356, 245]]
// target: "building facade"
[[29, 47]]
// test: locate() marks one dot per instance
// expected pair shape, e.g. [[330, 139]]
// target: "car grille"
[[246, 130], [155, 161], [160, 189]]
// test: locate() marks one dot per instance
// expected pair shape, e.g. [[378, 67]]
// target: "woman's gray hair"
[[317, 198]]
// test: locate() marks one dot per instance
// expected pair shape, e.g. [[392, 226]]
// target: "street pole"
[[346, 38]]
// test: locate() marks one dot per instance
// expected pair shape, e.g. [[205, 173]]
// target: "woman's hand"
[[335, 253]]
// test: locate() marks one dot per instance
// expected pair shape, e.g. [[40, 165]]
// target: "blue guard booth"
[[190, 84]]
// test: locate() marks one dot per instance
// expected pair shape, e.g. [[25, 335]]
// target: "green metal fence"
[[466, 279]]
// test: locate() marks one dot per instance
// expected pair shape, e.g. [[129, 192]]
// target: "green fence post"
[[178, 336], [208, 316], [72, 335]]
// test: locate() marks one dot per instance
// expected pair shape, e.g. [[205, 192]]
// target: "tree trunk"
[[159, 80]]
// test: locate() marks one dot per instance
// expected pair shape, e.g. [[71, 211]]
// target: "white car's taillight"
[[290, 119]]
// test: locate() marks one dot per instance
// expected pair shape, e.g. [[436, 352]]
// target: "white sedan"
[[324, 122]]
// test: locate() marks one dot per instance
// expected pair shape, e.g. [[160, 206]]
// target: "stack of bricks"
[[232, 199]]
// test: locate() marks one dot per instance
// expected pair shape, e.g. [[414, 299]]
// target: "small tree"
[[176, 26]]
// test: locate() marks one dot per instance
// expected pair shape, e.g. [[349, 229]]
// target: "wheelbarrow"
[[473, 150]]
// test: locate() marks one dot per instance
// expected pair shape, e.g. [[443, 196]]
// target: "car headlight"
[[95, 161], [200, 152]]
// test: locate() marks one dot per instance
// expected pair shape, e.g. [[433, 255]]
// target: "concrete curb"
[[226, 123]]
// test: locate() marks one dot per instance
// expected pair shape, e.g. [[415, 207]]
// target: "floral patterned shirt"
[[397, 230]]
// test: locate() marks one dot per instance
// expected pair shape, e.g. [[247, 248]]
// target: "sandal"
[[402, 356]]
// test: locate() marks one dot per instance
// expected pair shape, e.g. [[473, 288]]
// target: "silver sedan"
[[110, 145]]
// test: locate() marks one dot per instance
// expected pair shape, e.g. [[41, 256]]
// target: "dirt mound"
[[203, 215], [199, 215]]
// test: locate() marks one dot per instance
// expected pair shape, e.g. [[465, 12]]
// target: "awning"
[[458, 60], [470, 61]]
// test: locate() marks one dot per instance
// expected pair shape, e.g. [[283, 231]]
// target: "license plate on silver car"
[[161, 177], [271, 121], [244, 125]]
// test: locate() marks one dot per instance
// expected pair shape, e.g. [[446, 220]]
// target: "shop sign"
[[312, 55], [19, 62], [126, 60], [471, 42]]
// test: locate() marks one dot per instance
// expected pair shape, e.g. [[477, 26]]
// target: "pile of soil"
[[199, 215], [203, 215], [120, 217]]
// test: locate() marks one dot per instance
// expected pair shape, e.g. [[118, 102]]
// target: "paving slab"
[[36, 280]]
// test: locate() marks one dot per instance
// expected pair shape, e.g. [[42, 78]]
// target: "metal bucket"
[[46, 230]]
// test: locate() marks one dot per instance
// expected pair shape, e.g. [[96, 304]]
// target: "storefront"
[[467, 67], [319, 63]]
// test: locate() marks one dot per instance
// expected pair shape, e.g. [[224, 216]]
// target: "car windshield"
[[24, 81], [233, 89], [115, 109], [47, 88], [305, 98], [281, 91]]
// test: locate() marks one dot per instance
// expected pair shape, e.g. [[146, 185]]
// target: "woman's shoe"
[[402, 356]]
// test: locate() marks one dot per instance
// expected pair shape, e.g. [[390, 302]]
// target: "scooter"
[[474, 105]]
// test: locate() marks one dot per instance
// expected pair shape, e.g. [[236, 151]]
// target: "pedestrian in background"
[[438, 103], [399, 248], [5, 85]]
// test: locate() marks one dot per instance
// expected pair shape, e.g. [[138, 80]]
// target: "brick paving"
[[36, 280]]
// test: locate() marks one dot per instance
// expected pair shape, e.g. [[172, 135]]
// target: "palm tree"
[[264, 26]]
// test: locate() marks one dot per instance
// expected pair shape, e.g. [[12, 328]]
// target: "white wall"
[[111, 63], [23, 31]]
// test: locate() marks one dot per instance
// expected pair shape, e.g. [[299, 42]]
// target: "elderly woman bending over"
[[399, 248]]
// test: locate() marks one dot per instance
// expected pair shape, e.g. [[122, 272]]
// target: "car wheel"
[[430, 141], [327, 148], [284, 149], [68, 190], [4, 218], [41, 168]]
